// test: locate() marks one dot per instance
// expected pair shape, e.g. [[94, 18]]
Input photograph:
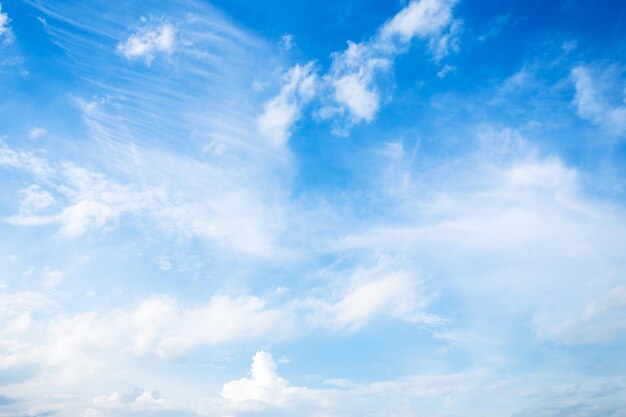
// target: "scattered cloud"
[[282, 111], [446, 70], [287, 42], [350, 92], [149, 40], [601, 97], [36, 133], [6, 34]]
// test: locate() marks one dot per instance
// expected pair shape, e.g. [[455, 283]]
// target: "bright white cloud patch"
[[148, 41], [5, 30], [264, 384], [369, 294], [421, 18], [350, 92]]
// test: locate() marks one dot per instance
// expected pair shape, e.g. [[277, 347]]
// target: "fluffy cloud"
[[600, 97], [483, 392], [148, 41], [263, 386], [355, 71], [280, 113], [349, 92], [88, 201], [422, 18]]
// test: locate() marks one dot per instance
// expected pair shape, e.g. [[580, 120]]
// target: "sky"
[[246, 208]]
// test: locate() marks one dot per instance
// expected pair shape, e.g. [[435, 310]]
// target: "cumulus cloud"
[[148, 41], [351, 91], [600, 97], [264, 384]]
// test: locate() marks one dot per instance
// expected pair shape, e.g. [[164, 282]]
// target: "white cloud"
[[355, 71], [529, 213], [22, 160], [88, 201], [36, 133], [136, 398], [148, 41], [369, 294], [421, 18], [596, 99], [483, 392], [351, 89], [34, 199], [6, 35], [282, 111], [447, 69], [287, 42], [354, 94], [69, 349], [264, 384]]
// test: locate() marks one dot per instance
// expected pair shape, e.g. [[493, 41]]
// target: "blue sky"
[[356, 208]]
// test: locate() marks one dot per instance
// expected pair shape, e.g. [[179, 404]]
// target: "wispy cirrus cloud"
[[601, 97]]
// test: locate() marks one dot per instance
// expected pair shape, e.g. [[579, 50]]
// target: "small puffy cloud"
[[22, 160], [148, 41], [354, 93], [600, 97], [447, 69], [264, 385], [160, 325], [287, 42], [36, 133], [352, 90], [281, 112]]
